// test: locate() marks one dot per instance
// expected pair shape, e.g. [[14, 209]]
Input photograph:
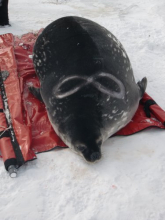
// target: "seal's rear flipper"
[[36, 93], [142, 86]]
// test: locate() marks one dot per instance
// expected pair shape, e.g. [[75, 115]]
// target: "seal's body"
[[87, 83]]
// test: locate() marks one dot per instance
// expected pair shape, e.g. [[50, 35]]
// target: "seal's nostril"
[[95, 156]]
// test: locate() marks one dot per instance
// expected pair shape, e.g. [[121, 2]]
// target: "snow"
[[129, 181]]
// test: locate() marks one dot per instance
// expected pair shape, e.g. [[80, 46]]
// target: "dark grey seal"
[[87, 83]]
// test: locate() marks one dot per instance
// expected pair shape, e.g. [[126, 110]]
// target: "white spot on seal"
[[108, 98], [114, 111], [54, 113], [44, 56], [124, 54], [124, 114]]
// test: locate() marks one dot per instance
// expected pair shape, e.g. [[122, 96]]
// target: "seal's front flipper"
[[36, 93], [142, 86]]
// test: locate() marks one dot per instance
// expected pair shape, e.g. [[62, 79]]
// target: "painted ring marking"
[[90, 80]]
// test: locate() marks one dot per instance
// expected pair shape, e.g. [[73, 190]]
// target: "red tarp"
[[29, 119]]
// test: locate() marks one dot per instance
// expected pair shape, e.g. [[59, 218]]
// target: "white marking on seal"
[[90, 80], [124, 54], [44, 56], [54, 113], [125, 114], [114, 111]]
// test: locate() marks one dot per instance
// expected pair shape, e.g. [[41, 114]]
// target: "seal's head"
[[83, 137]]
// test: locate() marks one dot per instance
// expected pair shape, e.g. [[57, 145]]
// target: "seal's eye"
[[81, 148]]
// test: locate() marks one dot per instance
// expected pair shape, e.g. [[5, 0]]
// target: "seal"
[[87, 83]]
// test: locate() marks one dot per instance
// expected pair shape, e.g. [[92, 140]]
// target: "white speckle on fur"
[[108, 98], [124, 54], [124, 114], [54, 113], [114, 111], [44, 56]]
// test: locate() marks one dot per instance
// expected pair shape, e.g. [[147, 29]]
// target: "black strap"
[[4, 134], [14, 142], [1, 110], [147, 105], [9, 162]]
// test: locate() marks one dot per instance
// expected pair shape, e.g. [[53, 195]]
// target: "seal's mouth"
[[91, 152], [88, 155], [92, 157]]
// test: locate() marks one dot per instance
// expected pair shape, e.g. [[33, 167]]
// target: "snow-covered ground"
[[129, 181]]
